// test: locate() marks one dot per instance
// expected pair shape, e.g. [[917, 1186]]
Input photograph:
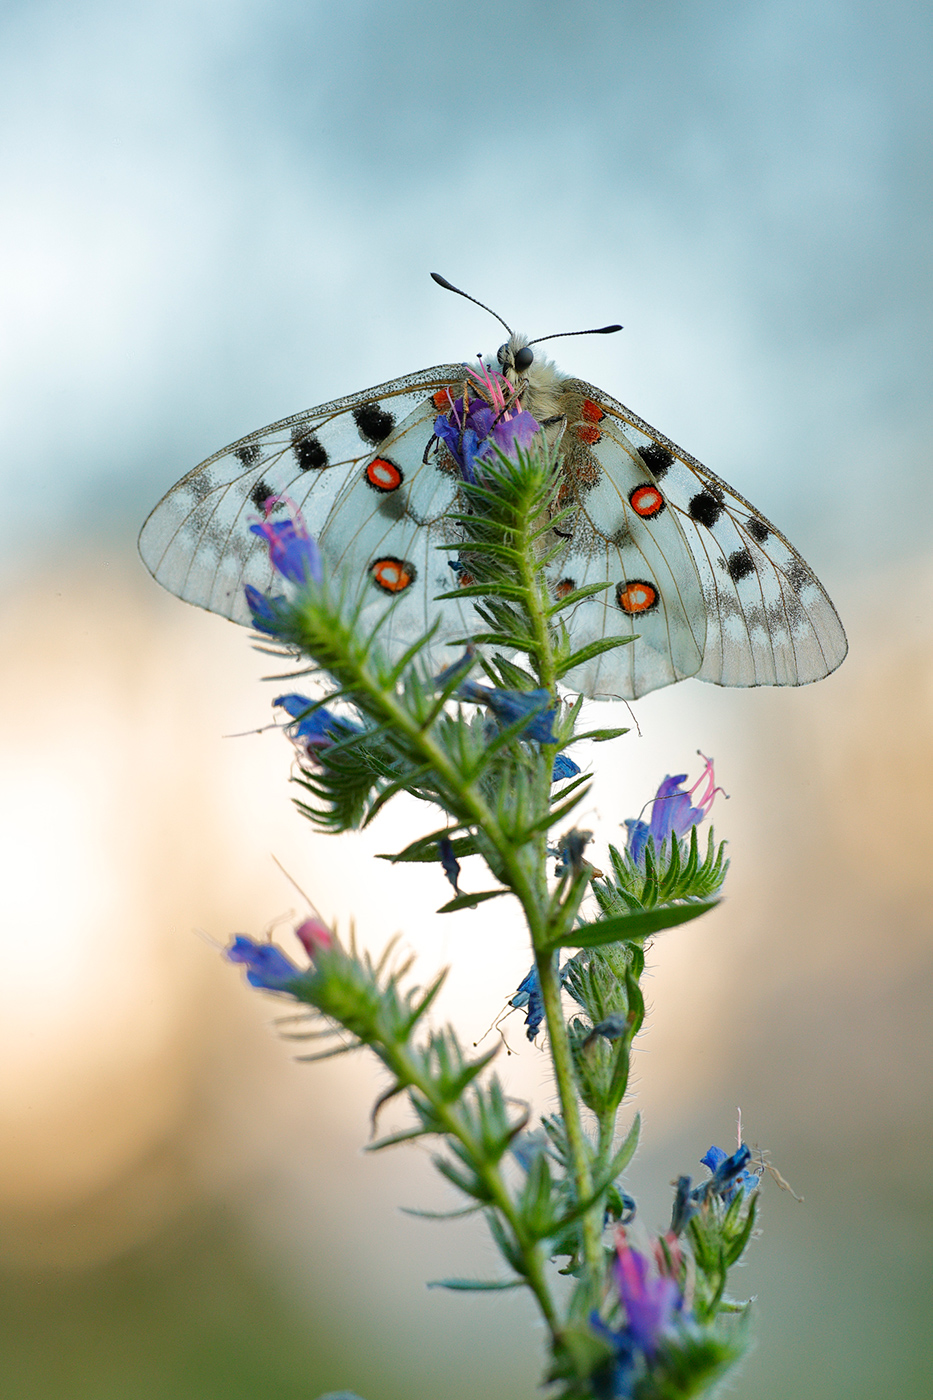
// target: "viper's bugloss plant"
[[485, 743]]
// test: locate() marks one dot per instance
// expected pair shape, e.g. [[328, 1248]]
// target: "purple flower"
[[536, 707], [653, 1305], [293, 553], [651, 1300], [266, 965], [729, 1174], [493, 420], [672, 813]]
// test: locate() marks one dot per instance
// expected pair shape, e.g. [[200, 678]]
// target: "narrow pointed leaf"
[[470, 901], [629, 926]]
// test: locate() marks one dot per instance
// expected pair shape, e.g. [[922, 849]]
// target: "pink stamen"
[[705, 800]]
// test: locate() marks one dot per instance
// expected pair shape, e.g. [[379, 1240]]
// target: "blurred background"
[[216, 214]]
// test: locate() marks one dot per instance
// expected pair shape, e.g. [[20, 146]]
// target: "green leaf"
[[736, 1247], [492, 588], [578, 594], [633, 926], [441, 1214], [599, 736], [627, 1151], [510, 676], [470, 901], [586, 653], [425, 848], [408, 1136], [468, 1285], [516, 640]]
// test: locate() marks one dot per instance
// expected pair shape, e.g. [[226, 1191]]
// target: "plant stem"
[[561, 1058], [407, 1068]]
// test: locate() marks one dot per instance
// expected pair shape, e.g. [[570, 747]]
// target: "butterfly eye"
[[524, 358]]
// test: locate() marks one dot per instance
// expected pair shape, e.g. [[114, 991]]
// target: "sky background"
[[215, 215]]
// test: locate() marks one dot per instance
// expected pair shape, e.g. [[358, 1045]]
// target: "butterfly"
[[699, 578]]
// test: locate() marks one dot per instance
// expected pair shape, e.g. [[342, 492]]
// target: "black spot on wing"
[[310, 453], [260, 494], [373, 422], [621, 536], [249, 454], [656, 458], [757, 529], [740, 565], [798, 575], [201, 485], [705, 509]]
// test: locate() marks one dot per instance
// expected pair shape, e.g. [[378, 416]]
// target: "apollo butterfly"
[[703, 582]]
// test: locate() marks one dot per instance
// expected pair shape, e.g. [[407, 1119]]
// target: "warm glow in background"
[[214, 215]]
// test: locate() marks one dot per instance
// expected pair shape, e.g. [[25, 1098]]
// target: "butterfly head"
[[515, 356], [535, 376]]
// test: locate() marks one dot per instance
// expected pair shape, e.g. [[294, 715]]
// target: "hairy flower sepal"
[[605, 983]]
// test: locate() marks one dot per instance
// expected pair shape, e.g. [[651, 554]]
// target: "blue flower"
[[535, 707], [449, 862], [463, 662], [528, 998], [570, 850], [315, 729], [684, 1206], [293, 552], [269, 611], [564, 767], [729, 1174], [526, 1148], [473, 430], [621, 1378], [614, 1027], [672, 814], [266, 965]]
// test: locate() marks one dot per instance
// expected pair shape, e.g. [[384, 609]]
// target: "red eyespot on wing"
[[646, 501], [565, 586], [442, 399], [465, 579], [392, 575], [591, 414], [383, 475], [636, 595]]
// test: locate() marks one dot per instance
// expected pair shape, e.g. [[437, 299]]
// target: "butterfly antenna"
[[558, 335], [442, 282]]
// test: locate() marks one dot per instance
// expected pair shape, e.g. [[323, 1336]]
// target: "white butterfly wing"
[[654, 593], [768, 618], [354, 467], [703, 583]]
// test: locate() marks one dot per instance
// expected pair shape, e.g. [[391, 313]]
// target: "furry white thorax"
[[542, 381]]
